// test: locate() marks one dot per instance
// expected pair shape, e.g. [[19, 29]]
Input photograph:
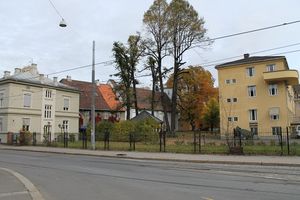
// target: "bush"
[[25, 138]]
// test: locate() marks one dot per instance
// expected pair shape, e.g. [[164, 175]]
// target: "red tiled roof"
[[85, 95], [110, 97]]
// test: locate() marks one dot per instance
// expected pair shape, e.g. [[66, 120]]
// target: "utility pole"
[[93, 100]]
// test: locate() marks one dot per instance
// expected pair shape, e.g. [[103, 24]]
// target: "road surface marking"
[[13, 194], [206, 198], [33, 191]]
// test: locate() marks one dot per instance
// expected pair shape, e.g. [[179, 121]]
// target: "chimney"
[[41, 77], [97, 82], [17, 70], [246, 55], [69, 78], [6, 74], [55, 80]]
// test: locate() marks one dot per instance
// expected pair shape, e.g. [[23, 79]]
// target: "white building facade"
[[31, 102]]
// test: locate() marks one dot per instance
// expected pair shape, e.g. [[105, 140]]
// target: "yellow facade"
[[272, 97]]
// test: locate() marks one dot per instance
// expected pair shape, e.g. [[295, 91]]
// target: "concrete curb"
[[125, 156], [33, 191]]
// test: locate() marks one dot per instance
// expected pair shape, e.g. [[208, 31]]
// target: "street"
[[59, 176]]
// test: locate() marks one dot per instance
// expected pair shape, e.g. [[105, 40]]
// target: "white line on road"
[[33, 191], [9, 194]]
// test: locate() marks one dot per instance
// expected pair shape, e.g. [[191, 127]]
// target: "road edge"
[[164, 159], [33, 191]]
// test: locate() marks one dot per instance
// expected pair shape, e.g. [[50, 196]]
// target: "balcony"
[[290, 76]]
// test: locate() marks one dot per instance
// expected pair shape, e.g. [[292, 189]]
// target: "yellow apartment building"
[[256, 93]]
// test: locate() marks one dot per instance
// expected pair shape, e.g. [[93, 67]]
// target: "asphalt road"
[[63, 177]]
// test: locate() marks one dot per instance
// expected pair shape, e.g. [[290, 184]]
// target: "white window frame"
[[271, 67], [228, 100], [273, 89], [48, 111], [66, 107], [27, 104], [227, 81], [274, 117], [48, 94], [253, 115], [229, 119], [66, 125], [276, 130], [26, 124], [250, 71], [252, 91], [235, 119]]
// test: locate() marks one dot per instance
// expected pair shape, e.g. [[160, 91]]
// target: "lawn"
[[209, 148]]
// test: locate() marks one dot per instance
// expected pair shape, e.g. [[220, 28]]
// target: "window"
[[1, 99], [274, 113], [250, 71], [228, 100], [254, 130], [48, 94], [227, 81], [66, 125], [271, 68], [1, 124], [273, 91], [47, 113], [27, 100], [252, 91], [274, 117], [233, 80], [235, 119], [229, 119], [253, 115], [234, 99], [66, 104], [276, 130], [26, 124]]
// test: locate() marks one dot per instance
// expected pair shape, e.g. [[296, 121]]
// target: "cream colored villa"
[[35, 103], [256, 94]]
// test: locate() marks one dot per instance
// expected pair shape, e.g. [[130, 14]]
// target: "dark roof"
[[252, 59], [145, 115], [85, 95], [144, 100], [30, 78]]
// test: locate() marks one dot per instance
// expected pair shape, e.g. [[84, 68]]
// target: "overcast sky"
[[29, 32]]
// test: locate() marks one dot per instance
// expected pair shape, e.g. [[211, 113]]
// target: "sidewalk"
[[220, 159]]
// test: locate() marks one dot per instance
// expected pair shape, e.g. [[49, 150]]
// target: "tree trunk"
[[128, 103], [163, 96], [153, 95], [174, 98]]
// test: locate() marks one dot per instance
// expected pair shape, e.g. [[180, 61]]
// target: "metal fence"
[[284, 142]]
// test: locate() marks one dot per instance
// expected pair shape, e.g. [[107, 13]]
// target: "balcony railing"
[[290, 76]]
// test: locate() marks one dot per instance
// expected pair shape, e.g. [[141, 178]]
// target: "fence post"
[[199, 142], [288, 140], [160, 142], [281, 142], [194, 142], [164, 140]]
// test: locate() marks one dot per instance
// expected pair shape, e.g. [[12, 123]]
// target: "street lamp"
[[62, 23]]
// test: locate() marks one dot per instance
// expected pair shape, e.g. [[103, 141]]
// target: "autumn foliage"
[[195, 89]]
